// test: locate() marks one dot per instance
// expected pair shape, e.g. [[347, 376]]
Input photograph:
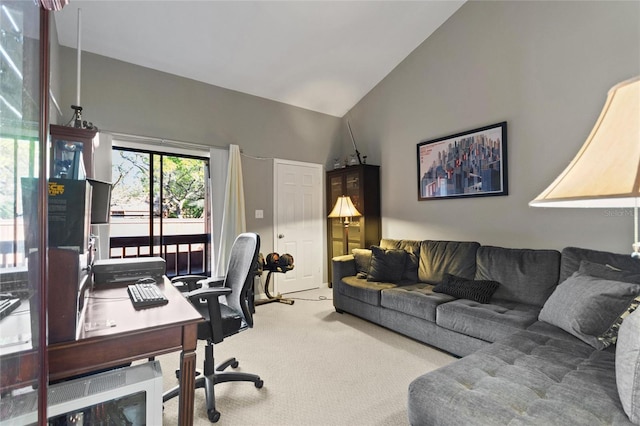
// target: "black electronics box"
[[128, 270]]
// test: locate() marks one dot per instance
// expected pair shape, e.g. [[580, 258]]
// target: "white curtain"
[[233, 215], [218, 164]]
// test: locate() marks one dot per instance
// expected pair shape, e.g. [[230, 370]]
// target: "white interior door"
[[298, 223]]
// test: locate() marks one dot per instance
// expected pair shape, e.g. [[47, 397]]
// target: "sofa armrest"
[[343, 266]]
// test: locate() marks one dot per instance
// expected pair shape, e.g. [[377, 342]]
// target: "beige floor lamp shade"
[[344, 210], [606, 170]]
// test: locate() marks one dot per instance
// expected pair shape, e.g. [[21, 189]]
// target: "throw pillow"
[[386, 265], [463, 288], [362, 258], [610, 336], [412, 247], [587, 307], [411, 267], [628, 366], [612, 273], [608, 272]]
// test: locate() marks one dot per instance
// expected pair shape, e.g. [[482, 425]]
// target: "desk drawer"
[[82, 356]]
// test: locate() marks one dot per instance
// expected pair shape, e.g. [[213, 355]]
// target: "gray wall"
[[545, 68], [125, 98]]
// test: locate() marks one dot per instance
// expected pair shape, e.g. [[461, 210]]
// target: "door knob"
[[280, 236]]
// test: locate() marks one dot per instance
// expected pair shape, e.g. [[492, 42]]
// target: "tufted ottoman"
[[528, 378]]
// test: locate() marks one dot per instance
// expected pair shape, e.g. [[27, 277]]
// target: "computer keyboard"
[[7, 306], [146, 295]]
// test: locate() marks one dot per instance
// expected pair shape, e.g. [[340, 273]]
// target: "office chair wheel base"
[[213, 415], [259, 384]]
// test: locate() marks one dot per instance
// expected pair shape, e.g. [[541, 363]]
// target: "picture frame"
[[463, 165]]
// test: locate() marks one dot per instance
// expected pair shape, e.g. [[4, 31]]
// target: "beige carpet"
[[319, 368]]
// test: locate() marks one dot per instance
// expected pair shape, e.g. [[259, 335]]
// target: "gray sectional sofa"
[[540, 349]]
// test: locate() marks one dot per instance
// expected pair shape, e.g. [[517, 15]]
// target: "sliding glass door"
[[160, 207]]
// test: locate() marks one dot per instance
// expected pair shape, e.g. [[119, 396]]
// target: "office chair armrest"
[[186, 283], [208, 293], [212, 282]]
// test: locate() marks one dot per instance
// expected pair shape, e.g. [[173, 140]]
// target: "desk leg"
[[187, 376]]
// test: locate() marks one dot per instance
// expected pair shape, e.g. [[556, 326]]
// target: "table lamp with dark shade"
[[606, 171], [344, 209]]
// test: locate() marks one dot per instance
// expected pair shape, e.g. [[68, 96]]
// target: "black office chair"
[[224, 317]]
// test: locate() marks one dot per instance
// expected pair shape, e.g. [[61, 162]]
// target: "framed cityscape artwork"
[[468, 164]]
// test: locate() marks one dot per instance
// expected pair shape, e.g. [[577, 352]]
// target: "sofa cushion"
[[417, 300], [525, 378], [628, 366], [454, 257], [412, 248], [587, 307], [572, 256], [462, 288], [488, 322], [362, 290], [362, 257], [525, 276]]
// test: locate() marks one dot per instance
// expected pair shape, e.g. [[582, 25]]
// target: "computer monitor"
[[100, 201]]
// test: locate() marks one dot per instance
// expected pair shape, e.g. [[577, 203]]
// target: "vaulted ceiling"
[[319, 55]]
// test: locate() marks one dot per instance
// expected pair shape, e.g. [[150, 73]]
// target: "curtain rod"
[[169, 142]]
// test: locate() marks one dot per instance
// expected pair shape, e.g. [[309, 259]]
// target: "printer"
[[127, 270]]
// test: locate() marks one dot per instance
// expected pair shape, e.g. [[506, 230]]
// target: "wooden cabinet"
[[362, 184]]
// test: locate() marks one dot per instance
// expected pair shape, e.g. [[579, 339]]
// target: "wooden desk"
[[135, 335]]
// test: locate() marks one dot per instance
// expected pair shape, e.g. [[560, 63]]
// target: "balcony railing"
[[184, 254]]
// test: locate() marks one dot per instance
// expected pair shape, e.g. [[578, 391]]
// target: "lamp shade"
[[606, 170], [344, 208]]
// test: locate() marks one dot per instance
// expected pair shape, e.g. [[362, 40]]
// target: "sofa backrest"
[[572, 256], [453, 257], [525, 275]]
